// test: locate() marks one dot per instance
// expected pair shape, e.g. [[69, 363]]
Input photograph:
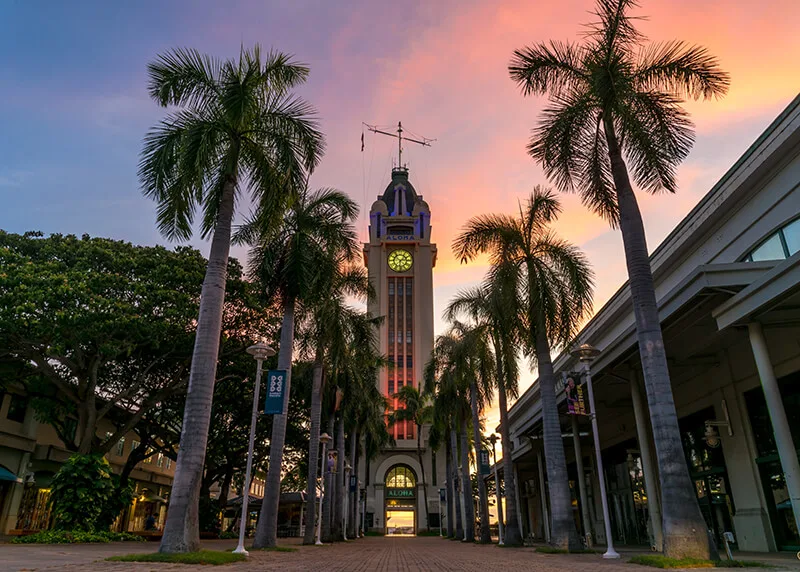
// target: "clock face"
[[400, 260]]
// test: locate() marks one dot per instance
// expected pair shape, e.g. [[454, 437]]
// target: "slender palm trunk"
[[511, 532], [450, 490], [340, 483], [456, 486], [267, 528], [313, 450], [483, 498], [352, 510], [182, 529], [469, 507], [327, 477], [564, 534], [424, 482], [685, 530]]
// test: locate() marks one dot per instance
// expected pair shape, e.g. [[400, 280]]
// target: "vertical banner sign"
[[574, 395], [442, 495], [353, 483], [276, 384], [484, 462]]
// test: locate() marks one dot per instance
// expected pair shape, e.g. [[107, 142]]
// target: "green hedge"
[[75, 537]]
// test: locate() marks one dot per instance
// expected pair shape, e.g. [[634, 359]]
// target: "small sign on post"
[[276, 385], [353, 483], [442, 495], [574, 394], [484, 462]]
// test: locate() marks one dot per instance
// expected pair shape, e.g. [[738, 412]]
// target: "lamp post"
[[323, 439], [586, 354], [260, 352], [500, 517]]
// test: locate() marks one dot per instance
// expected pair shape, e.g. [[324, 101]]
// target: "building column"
[[777, 414], [576, 444], [519, 497], [653, 504], [543, 498]]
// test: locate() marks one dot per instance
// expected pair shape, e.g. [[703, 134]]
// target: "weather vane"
[[424, 141]]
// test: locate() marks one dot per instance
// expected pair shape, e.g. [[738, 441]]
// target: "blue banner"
[[484, 458], [276, 385]]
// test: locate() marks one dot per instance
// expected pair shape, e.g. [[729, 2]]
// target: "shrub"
[[75, 537], [85, 495], [660, 561]]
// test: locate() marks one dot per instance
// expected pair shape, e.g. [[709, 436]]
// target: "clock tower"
[[400, 258]]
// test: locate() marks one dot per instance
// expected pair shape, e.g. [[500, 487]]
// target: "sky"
[[75, 107]]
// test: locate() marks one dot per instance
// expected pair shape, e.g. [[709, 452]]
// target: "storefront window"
[[779, 506]]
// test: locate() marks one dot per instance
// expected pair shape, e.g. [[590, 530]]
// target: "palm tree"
[[494, 304], [330, 333], [315, 236], [615, 102], [238, 133], [556, 283], [415, 407]]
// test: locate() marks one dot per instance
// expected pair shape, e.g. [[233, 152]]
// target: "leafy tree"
[[287, 261], [616, 103], [85, 495], [555, 282], [100, 330], [238, 133]]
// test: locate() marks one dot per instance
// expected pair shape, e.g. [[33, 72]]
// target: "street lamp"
[[493, 439], [260, 352], [324, 439], [586, 354]]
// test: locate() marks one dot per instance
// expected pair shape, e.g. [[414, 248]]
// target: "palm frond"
[[681, 69]]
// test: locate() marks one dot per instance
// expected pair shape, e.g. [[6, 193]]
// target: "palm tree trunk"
[[450, 490], [483, 499], [182, 529], [352, 510], [511, 532], [424, 482], [455, 478], [340, 482], [685, 530], [267, 528], [564, 535], [329, 494], [313, 449], [469, 507]]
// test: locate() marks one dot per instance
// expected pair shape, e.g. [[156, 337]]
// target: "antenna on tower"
[[424, 141]]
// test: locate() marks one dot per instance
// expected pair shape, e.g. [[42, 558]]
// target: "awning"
[[6, 475]]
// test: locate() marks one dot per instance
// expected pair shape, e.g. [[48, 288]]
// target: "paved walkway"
[[373, 554]]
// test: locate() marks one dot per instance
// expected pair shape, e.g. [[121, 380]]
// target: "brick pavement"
[[373, 554]]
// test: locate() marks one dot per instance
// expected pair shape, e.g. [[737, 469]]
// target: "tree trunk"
[[469, 505], [339, 482], [564, 534], [182, 528], [267, 528], [483, 498], [685, 530], [449, 490], [456, 487], [313, 450], [424, 482], [352, 510], [511, 532], [328, 493]]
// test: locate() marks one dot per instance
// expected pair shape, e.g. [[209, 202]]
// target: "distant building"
[[728, 288], [31, 453]]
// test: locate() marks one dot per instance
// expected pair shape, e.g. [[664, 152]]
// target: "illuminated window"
[[401, 477]]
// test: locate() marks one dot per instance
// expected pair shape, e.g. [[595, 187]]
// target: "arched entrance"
[[401, 501]]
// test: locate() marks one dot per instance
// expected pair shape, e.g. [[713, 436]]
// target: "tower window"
[[408, 337], [391, 287], [409, 361]]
